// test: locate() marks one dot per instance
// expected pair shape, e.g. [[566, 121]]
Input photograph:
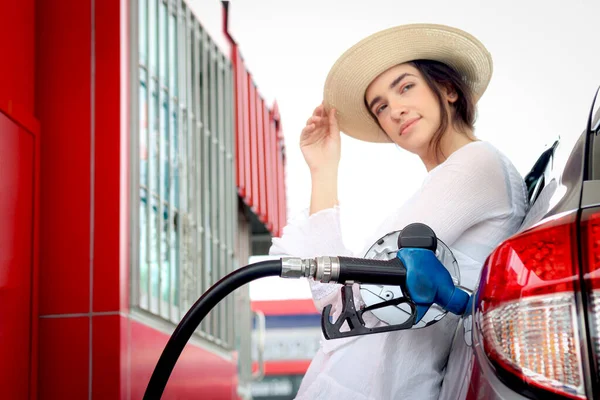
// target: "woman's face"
[[406, 108]]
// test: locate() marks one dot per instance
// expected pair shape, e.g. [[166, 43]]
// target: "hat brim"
[[353, 72]]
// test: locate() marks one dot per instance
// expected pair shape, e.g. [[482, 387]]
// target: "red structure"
[[19, 203], [292, 337], [67, 324], [260, 148]]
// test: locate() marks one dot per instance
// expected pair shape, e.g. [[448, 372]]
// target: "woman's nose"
[[398, 111]]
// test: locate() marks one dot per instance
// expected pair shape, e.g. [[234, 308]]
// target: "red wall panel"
[[17, 51], [280, 183], [125, 151], [253, 203], [109, 358], [17, 163], [275, 185], [64, 358], [273, 213], [123, 371], [63, 106], [247, 139], [268, 169], [19, 135], [198, 374], [283, 202], [107, 160], [262, 175]]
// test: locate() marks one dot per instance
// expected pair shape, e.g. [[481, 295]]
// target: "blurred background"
[[150, 147]]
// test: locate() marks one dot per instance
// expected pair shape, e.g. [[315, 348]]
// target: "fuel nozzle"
[[423, 279]]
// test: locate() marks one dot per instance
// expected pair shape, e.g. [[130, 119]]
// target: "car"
[[533, 330]]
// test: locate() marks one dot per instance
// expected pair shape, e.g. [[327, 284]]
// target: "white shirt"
[[473, 201]]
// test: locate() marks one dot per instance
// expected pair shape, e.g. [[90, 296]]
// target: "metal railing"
[[184, 213]]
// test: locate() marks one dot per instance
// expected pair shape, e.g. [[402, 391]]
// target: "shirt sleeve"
[[311, 236]]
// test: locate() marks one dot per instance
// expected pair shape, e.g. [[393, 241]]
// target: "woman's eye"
[[379, 109], [407, 87]]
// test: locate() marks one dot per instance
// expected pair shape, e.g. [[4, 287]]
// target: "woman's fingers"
[[319, 124], [333, 123], [319, 111], [314, 120], [308, 129], [319, 115]]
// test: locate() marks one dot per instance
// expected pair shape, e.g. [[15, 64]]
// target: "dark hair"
[[438, 75]]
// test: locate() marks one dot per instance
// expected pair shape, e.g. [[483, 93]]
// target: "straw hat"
[[352, 73]]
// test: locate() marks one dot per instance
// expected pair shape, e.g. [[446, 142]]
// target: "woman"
[[415, 86]]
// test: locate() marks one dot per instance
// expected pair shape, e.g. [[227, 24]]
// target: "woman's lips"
[[407, 125]]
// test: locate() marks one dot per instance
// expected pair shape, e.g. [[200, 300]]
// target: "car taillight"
[[526, 311], [590, 222]]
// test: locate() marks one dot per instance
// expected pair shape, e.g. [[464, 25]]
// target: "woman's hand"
[[320, 145], [320, 142]]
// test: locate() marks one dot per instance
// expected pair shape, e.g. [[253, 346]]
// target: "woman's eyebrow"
[[394, 83], [399, 79], [374, 101]]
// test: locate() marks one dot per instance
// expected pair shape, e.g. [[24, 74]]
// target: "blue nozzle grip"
[[429, 282]]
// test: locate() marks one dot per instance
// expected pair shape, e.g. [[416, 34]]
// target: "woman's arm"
[[319, 233], [324, 190]]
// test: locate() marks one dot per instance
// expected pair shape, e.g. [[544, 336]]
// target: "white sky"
[[546, 70]]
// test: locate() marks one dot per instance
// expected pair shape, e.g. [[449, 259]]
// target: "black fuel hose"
[[191, 320]]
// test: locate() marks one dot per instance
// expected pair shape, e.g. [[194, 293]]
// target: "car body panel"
[[469, 374]]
